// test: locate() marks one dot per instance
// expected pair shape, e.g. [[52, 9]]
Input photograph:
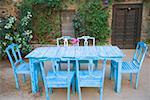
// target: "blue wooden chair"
[[132, 66], [85, 40], [18, 64], [65, 40], [56, 78], [90, 77]]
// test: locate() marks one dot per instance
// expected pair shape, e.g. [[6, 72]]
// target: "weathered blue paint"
[[132, 66], [90, 77], [18, 64], [78, 53], [86, 43], [66, 40], [56, 78]]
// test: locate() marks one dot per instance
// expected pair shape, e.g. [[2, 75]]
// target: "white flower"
[[19, 39], [31, 36], [8, 37], [25, 20], [28, 32], [11, 20], [29, 14], [4, 43]]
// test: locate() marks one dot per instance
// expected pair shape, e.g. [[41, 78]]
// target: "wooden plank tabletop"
[[78, 52]]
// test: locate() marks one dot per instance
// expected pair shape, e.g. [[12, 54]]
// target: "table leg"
[[118, 76], [76, 75], [111, 70], [32, 74], [36, 77]]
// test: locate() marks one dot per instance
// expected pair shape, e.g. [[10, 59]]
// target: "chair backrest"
[[55, 68], [14, 54], [65, 40], [86, 40], [139, 54], [91, 68]]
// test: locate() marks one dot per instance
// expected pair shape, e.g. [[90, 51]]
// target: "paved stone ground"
[[9, 92]]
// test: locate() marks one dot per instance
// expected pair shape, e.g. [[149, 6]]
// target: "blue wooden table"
[[73, 53]]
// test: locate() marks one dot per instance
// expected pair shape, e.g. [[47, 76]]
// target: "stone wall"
[[146, 21], [8, 8]]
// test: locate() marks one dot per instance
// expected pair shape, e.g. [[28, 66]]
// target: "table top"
[[76, 52]]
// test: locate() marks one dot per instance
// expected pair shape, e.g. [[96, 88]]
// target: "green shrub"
[[46, 18], [92, 19], [15, 31]]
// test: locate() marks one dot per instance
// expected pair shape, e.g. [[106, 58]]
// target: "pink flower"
[[74, 41]]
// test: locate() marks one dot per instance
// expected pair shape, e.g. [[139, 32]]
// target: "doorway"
[[126, 25], [66, 22]]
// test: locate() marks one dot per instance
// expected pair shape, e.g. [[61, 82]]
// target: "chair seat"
[[128, 67], [92, 79], [23, 68], [59, 79]]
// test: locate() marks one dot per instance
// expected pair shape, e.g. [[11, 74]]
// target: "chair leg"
[[74, 66], [79, 66], [24, 78], [79, 90], [96, 64], [59, 64], [136, 81], [68, 93], [50, 90], [46, 92], [17, 82], [41, 75], [73, 86], [36, 78], [111, 73], [76, 84], [131, 79], [101, 93]]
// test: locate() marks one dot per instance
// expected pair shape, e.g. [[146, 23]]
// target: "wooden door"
[[126, 25], [66, 22]]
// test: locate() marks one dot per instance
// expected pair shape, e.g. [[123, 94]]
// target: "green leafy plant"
[[53, 4], [15, 31], [92, 19], [46, 18]]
